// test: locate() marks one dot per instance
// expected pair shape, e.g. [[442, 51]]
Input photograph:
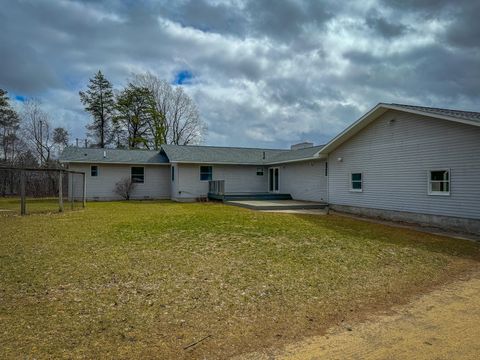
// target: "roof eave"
[[111, 162]]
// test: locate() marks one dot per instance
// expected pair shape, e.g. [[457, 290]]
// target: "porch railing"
[[216, 187]]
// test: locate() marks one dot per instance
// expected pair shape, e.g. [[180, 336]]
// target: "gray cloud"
[[265, 73]]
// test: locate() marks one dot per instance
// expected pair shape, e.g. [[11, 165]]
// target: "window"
[[439, 182], [173, 173], [260, 171], [94, 170], [356, 181], [205, 173], [138, 175], [326, 168]]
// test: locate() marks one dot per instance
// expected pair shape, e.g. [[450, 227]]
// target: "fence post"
[[22, 193], [72, 198], [60, 191], [84, 190]]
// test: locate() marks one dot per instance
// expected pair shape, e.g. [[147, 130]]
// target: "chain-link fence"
[[30, 190]]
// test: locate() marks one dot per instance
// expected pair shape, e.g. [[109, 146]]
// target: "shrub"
[[124, 188]]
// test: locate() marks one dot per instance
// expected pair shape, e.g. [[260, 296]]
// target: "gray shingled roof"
[[294, 155], [215, 154], [87, 155], [459, 114]]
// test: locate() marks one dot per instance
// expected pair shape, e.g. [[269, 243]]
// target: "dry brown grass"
[[130, 279]]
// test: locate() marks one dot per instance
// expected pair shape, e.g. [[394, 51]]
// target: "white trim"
[[200, 173], [278, 179], [91, 170], [144, 176], [430, 192], [351, 182]]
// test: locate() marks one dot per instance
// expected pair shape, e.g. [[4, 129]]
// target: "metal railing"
[[216, 187]]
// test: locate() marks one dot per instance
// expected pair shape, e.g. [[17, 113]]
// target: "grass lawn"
[[146, 279]]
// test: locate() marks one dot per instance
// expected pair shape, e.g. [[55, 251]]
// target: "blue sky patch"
[[20, 98], [183, 77]]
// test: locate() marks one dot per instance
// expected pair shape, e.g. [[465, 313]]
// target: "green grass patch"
[[146, 279]]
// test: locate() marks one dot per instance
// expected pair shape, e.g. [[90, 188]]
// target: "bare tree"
[[124, 188], [37, 129], [178, 121]]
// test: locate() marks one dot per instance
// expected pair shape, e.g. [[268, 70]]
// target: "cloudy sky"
[[263, 73]]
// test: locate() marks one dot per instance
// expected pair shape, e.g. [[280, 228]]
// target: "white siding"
[[395, 157], [304, 180], [238, 178], [101, 187]]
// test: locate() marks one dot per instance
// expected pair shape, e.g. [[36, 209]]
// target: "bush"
[[124, 188]]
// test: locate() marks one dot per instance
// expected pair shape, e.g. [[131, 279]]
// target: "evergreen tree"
[[135, 109], [100, 103], [9, 125]]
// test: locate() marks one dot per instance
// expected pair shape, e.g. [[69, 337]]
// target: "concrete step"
[[253, 196], [277, 204]]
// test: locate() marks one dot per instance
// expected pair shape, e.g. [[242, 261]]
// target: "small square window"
[[260, 171], [206, 173], [138, 175], [94, 170], [356, 182], [439, 182]]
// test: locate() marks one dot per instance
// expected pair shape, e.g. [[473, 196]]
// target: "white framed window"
[[356, 182], [138, 174], [259, 171], [439, 182], [94, 170], [206, 173]]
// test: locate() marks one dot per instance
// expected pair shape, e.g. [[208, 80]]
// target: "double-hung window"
[[356, 182], [206, 173], [94, 170], [439, 182], [138, 174]]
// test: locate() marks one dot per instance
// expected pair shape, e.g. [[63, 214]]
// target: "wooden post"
[[60, 191], [84, 190], [73, 190], [23, 208]]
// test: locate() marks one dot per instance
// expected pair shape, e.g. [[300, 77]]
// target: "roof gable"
[[464, 117]]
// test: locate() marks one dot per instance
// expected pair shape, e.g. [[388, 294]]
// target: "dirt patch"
[[443, 324]]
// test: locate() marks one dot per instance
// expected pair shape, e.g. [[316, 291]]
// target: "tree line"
[[145, 114], [27, 137]]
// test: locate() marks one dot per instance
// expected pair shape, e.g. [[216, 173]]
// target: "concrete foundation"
[[470, 226]]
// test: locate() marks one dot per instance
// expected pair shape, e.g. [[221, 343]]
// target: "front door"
[[273, 179]]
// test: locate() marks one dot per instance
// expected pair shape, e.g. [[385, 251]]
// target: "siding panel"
[[304, 180], [395, 158], [101, 187]]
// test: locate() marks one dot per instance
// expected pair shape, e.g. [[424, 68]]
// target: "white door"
[[273, 179]]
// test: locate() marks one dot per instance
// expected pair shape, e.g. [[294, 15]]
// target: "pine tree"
[[100, 103], [9, 125], [135, 108]]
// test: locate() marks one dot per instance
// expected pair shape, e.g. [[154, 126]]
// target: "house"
[[398, 162]]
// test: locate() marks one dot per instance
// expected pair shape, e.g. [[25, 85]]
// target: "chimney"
[[104, 153], [264, 155], [86, 143], [302, 145]]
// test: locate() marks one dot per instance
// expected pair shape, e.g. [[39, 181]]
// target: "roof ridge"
[[227, 147], [436, 108]]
